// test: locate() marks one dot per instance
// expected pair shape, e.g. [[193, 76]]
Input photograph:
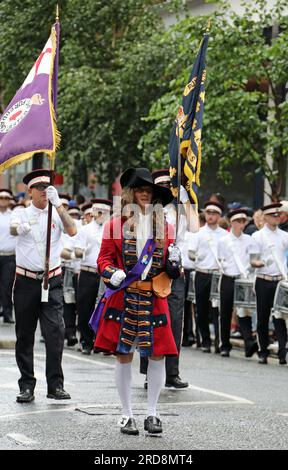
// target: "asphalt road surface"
[[231, 403]]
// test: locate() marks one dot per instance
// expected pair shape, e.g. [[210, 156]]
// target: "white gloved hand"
[[183, 195], [268, 261], [23, 229], [117, 277], [53, 197], [174, 254]]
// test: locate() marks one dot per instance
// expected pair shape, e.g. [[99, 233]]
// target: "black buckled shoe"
[[153, 425], [25, 396], [128, 426], [282, 361], [206, 349], [72, 340], [58, 394], [176, 382]]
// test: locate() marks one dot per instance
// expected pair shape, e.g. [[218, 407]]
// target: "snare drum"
[[215, 291], [68, 286], [280, 305], [191, 289], [244, 294]]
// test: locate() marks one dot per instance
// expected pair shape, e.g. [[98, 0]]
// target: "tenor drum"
[[215, 291], [280, 306], [191, 289], [244, 294]]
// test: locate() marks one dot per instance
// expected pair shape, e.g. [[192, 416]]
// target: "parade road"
[[231, 403]]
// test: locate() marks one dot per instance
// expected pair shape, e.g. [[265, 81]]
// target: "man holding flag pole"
[[28, 126]]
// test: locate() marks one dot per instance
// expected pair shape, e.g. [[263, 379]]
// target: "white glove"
[[53, 197], [183, 195], [269, 261], [23, 229], [117, 277], [174, 254]]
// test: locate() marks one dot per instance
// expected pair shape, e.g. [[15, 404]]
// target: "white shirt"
[[235, 251], [89, 239], [205, 243], [7, 241], [68, 243], [271, 244], [29, 254], [182, 241]]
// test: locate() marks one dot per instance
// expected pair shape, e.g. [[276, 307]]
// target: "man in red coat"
[[135, 316]]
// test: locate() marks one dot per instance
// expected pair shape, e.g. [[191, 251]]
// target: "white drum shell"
[[215, 290], [244, 293], [191, 289], [280, 306]]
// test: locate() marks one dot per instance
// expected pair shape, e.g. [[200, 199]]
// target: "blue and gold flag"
[[189, 121]]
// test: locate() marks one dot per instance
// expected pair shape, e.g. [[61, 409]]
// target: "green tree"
[[245, 115], [112, 67]]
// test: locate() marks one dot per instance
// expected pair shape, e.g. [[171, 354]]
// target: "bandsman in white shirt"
[[272, 243], [30, 230], [87, 247], [234, 252], [204, 247], [7, 255]]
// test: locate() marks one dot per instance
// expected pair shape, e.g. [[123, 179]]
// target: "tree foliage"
[[245, 116]]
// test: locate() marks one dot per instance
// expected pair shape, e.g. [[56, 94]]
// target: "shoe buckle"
[[123, 421]]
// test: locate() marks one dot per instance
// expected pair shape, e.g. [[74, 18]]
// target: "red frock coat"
[[111, 257]]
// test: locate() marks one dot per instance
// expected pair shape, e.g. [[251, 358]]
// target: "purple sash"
[[132, 276]]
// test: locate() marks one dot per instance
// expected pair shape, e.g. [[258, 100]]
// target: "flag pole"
[[49, 220], [178, 182], [50, 207]]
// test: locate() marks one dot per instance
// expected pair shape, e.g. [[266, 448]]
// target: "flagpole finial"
[[57, 12], [208, 26]]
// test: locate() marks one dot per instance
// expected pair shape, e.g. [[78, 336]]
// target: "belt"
[[232, 277], [266, 277], [7, 253], [206, 271], [38, 275], [141, 285], [90, 270]]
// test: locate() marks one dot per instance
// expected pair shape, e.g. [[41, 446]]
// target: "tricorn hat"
[[137, 177]]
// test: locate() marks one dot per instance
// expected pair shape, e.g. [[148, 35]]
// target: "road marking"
[[282, 414], [221, 394], [21, 439], [91, 361], [81, 359], [117, 406]]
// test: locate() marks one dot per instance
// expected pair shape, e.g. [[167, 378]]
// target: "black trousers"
[[176, 308], [88, 286], [226, 309], [204, 309], [7, 275], [188, 330], [28, 309], [265, 291], [70, 311]]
